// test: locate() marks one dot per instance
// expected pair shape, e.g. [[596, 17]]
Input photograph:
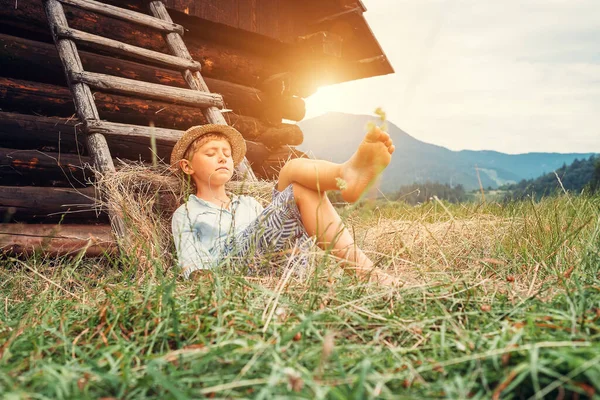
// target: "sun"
[[326, 99]]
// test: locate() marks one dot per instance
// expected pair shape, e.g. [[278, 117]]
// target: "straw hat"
[[238, 145]]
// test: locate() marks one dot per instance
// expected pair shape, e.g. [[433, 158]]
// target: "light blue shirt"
[[200, 229]]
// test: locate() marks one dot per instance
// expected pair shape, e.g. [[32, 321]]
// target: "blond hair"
[[201, 141]]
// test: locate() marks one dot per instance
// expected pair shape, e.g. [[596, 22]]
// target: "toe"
[[391, 149], [373, 135], [384, 137], [388, 143]]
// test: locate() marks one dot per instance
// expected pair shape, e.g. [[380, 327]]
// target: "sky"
[[514, 76]]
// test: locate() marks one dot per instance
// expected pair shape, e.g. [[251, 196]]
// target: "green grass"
[[505, 304]]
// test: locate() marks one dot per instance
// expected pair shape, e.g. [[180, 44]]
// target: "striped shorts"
[[277, 232]]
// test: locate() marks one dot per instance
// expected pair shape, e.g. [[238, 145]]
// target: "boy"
[[214, 225]]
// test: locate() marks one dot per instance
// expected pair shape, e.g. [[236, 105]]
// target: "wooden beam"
[[61, 239]]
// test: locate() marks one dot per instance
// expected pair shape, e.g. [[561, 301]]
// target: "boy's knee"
[[302, 192]]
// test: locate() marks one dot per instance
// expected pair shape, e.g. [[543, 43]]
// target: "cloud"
[[512, 76]]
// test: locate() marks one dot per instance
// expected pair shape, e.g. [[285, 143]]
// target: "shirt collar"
[[235, 200]]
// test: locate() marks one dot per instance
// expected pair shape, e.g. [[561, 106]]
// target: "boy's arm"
[[192, 255]]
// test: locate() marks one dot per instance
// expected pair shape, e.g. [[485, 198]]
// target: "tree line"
[[580, 176], [423, 192]]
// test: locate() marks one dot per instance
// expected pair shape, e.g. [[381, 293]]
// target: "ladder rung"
[[125, 15], [127, 49], [119, 130], [147, 90]]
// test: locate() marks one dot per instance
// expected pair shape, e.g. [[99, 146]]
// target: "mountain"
[[335, 136]]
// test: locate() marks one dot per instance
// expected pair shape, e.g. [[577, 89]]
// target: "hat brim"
[[236, 140]]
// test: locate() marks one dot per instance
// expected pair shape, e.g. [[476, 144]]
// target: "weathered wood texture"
[[126, 15], [148, 90], [82, 95], [269, 168], [278, 19], [196, 82], [38, 202], [83, 99], [43, 168], [38, 61], [31, 97], [61, 135], [116, 47], [218, 61], [24, 239]]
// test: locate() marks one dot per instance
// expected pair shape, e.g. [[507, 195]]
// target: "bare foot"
[[370, 159], [376, 275]]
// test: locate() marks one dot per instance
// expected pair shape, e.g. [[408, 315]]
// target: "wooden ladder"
[[80, 81]]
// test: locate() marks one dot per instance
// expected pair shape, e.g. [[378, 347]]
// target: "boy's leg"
[[321, 220], [369, 160]]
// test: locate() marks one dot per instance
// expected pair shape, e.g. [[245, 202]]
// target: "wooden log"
[[270, 136], [61, 134], [56, 240], [38, 61], [270, 167], [127, 50], [29, 97], [35, 202], [126, 15], [39, 168], [218, 61]]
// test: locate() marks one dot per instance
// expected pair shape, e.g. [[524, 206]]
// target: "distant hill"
[[335, 136], [580, 174]]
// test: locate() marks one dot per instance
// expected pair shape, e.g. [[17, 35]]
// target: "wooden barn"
[[84, 82]]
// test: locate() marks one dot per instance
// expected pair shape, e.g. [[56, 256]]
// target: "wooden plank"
[[116, 130], [60, 239], [128, 50], [126, 15], [148, 90]]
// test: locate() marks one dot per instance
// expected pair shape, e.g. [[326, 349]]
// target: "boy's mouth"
[[225, 168]]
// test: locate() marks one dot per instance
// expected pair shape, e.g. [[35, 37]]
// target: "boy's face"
[[211, 163]]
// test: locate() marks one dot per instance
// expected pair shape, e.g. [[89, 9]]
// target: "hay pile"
[[146, 197], [471, 250]]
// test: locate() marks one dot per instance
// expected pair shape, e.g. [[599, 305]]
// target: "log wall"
[[43, 164]]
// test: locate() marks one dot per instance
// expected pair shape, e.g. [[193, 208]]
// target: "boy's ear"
[[186, 167]]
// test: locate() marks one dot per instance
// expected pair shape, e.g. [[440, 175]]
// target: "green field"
[[500, 301]]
